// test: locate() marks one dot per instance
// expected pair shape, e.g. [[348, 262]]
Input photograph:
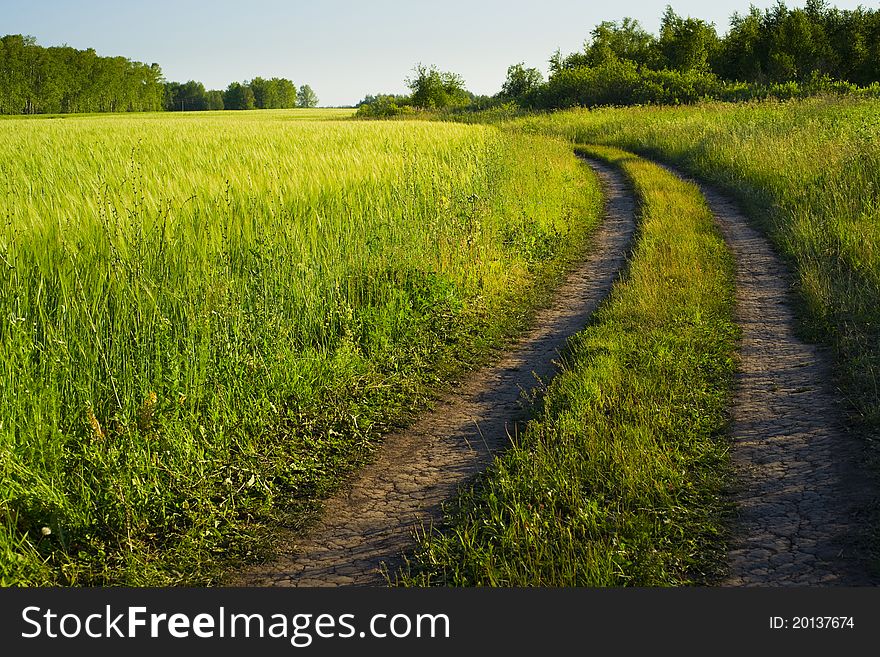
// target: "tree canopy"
[[275, 93], [777, 52], [521, 82], [305, 97], [37, 80], [432, 88], [239, 96]]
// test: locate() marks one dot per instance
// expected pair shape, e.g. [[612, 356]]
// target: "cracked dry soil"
[[803, 492], [372, 521]]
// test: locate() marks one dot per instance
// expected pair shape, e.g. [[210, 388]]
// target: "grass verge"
[[619, 479]]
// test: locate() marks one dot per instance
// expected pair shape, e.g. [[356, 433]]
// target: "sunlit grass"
[[295, 114], [809, 173], [205, 319], [619, 479]]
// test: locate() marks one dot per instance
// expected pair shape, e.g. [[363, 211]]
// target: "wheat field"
[[201, 313]]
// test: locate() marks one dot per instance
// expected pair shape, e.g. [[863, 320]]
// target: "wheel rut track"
[[372, 521], [802, 491]]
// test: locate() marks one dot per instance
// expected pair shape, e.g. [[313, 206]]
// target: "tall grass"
[[205, 319], [809, 172], [618, 480]]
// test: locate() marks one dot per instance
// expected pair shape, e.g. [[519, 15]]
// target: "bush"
[[622, 82], [384, 106], [435, 89]]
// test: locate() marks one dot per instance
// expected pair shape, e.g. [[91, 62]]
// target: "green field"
[[809, 173], [298, 114], [618, 481], [209, 319], [594, 494]]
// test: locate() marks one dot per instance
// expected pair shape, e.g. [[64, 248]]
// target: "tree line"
[[61, 79], [64, 80], [275, 93], [778, 52]]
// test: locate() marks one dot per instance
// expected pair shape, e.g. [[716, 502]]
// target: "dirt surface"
[[803, 494], [372, 521]]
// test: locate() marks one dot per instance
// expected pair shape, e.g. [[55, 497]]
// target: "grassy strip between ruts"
[[618, 480]]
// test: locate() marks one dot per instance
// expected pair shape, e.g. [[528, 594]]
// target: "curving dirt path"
[[371, 523], [802, 491]]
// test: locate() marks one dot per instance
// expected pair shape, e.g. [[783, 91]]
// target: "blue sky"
[[343, 48]]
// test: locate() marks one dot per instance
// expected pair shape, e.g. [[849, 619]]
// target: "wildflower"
[[146, 411], [97, 431], [45, 531]]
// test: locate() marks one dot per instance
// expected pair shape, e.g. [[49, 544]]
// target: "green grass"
[[809, 174], [207, 320], [619, 479], [298, 114]]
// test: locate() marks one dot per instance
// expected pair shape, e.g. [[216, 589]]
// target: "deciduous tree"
[[238, 97], [521, 82], [306, 97], [432, 88]]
